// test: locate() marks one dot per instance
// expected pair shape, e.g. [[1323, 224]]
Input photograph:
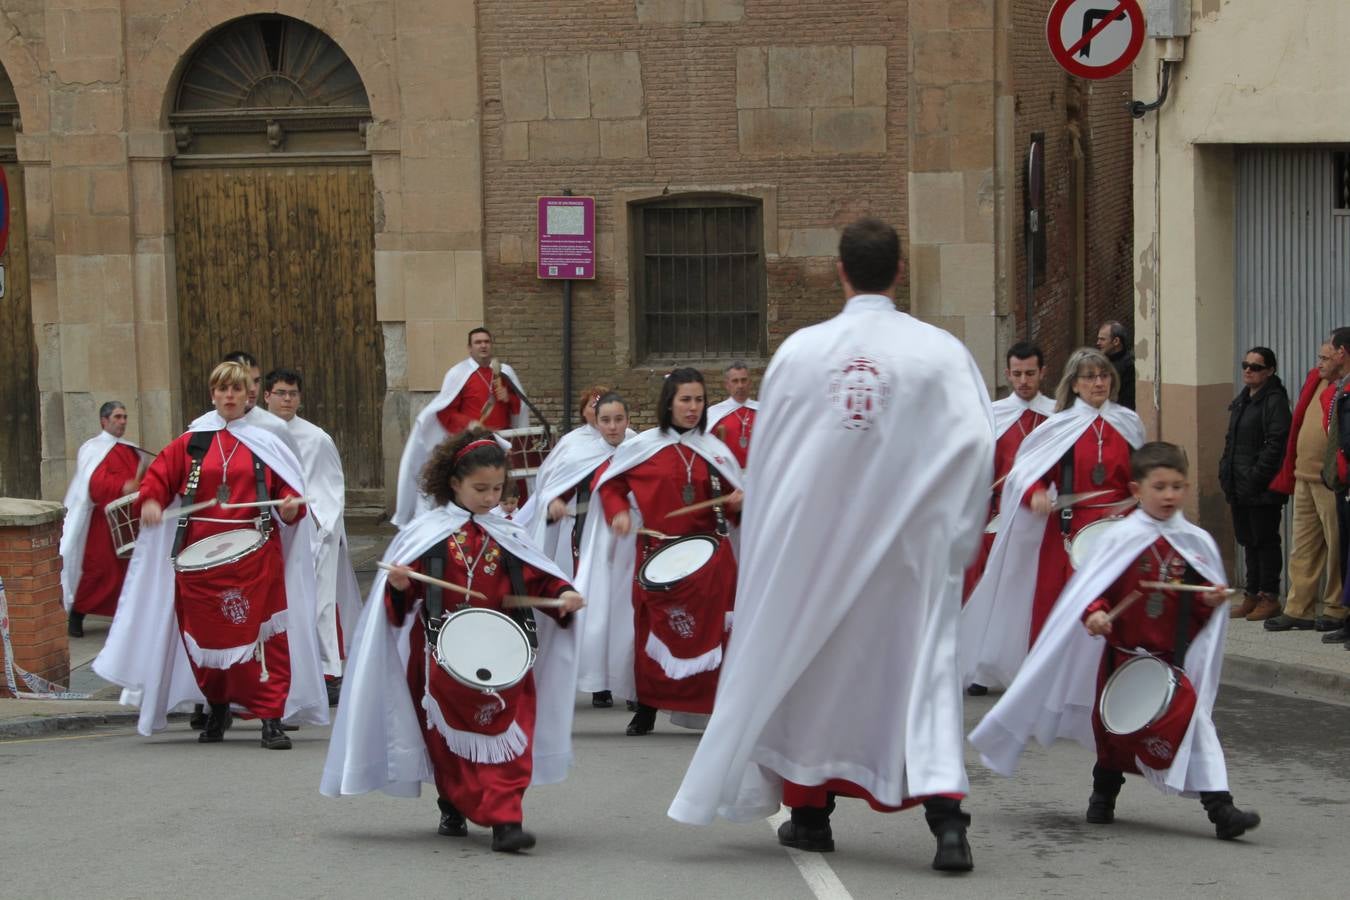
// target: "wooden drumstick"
[[188, 510], [695, 507], [520, 601], [259, 504], [655, 534], [1189, 588], [427, 579], [1123, 605], [1001, 479]]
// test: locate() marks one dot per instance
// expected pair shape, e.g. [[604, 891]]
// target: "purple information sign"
[[567, 237]]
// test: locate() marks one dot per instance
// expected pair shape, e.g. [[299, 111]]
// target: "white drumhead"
[[219, 549], [674, 562], [483, 648], [1085, 542], [1136, 694], [994, 525]]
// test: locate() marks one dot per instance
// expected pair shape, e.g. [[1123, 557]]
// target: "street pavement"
[[107, 813]]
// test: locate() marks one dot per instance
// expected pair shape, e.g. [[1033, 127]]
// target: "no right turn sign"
[[1095, 38]]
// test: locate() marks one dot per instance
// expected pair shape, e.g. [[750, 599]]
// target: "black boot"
[[213, 730], [75, 624], [602, 699], [977, 690], [643, 722], [198, 720], [452, 820], [809, 828], [511, 838], [274, 737], [948, 824], [1229, 821], [1106, 785], [334, 688]]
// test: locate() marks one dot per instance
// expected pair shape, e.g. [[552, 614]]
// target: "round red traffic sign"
[[1095, 38]]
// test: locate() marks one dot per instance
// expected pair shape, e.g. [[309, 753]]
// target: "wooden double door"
[[20, 435], [279, 261]]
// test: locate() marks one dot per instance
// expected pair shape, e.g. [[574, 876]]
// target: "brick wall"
[[30, 566], [1110, 205], [695, 135]]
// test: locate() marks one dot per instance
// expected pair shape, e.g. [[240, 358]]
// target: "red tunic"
[[1053, 568], [734, 430], [231, 605], [468, 405], [486, 793], [658, 484], [102, 572], [1005, 451], [1151, 627]]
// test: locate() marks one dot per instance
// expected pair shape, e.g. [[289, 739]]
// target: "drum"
[[483, 649], [673, 562], [124, 524], [219, 550], [1148, 705], [529, 447], [1085, 542]]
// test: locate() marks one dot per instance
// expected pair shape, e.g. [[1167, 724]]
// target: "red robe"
[[102, 572], [658, 484], [486, 793], [1005, 451], [229, 605], [1135, 628], [734, 427], [468, 405], [1054, 569]]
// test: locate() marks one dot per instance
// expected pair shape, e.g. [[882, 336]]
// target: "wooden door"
[[280, 261], [20, 438]]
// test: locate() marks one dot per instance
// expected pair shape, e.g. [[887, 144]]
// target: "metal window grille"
[[1341, 181], [698, 277]]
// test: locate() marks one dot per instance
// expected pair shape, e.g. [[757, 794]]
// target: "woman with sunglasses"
[[1258, 428]]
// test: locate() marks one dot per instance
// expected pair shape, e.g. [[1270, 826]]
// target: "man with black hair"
[[1114, 341]]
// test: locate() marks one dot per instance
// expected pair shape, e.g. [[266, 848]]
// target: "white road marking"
[[815, 871]]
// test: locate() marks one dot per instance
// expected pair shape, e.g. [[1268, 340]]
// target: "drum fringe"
[[479, 748], [677, 668], [211, 658]]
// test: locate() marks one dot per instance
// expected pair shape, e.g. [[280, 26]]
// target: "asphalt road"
[[111, 814]]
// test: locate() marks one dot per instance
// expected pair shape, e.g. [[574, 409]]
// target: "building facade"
[[348, 187]]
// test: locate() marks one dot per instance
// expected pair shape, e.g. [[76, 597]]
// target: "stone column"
[[30, 576]]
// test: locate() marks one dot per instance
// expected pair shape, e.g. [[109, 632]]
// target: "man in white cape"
[[995, 626], [733, 420], [1054, 694], [428, 429], [144, 653], [864, 503]]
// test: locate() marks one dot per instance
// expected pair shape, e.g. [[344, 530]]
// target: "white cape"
[[79, 507], [144, 652], [338, 597], [427, 432], [995, 625], [856, 531], [258, 418], [1008, 410], [1053, 695], [605, 572], [377, 743], [719, 411]]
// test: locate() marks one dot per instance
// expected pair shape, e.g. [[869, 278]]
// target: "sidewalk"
[[1286, 662]]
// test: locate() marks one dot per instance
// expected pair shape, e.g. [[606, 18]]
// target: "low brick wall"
[[30, 567]]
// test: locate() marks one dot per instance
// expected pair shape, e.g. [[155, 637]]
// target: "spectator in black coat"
[[1258, 430], [1114, 341]]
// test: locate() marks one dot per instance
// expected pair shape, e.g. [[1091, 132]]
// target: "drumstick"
[[188, 510], [1000, 480], [1188, 588], [1123, 605], [695, 507], [519, 601], [258, 504], [1064, 501], [427, 579], [656, 534]]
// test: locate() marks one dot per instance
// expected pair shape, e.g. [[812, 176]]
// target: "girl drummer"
[[480, 745]]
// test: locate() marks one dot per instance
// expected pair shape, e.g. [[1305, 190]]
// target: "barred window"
[[1341, 181], [697, 277]]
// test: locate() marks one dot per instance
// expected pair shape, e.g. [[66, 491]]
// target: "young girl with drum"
[[462, 661], [1072, 471], [1130, 659], [676, 569]]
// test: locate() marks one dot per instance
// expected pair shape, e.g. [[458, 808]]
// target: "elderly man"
[[733, 420], [1336, 471], [338, 599], [1314, 546], [1114, 341], [106, 468]]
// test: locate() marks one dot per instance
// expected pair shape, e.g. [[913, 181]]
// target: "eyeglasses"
[[284, 395], [1096, 376], [1253, 367]]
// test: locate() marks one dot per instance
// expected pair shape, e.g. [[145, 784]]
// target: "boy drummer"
[[1113, 597]]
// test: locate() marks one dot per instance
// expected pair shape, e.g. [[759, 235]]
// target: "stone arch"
[[24, 75]]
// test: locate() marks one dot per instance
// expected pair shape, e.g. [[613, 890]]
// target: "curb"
[[1287, 678], [36, 726]]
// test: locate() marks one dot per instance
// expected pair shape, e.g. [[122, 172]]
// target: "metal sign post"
[[566, 252]]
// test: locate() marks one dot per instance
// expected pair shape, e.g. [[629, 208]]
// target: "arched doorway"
[[20, 438], [274, 226]]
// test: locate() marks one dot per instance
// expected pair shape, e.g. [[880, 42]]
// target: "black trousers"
[[1258, 531], [1343, 519]]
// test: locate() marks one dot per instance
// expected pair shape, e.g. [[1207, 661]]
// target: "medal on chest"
[[687, 494], [223, 493], [1099, 470], [1154, 606], [1099, 474]]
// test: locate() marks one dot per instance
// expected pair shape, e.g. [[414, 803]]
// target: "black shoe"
[[334, 688], [511, 838], [198, 720], [1339, 636], [452, 820], [220, 718], [1101, 809], [631, 705], [1229, 821], [273, 736], [643, 722], [977, 690], [818, 839], [602, 699], [75, 624], [1326, 623], [953, 851], [1285, 623]]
